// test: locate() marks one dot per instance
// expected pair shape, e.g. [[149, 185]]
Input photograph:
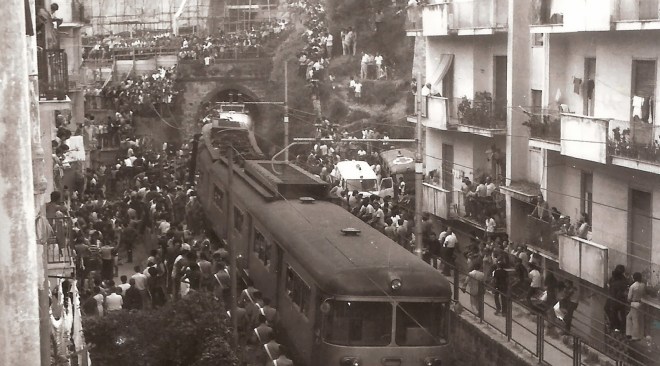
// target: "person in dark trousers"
[[133, 298], [501, 284], [571, 297]]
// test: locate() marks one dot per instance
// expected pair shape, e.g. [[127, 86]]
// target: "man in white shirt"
[[363, 66], [124, 285], [448, 247], [114, 301], [141, 285], [536, 283], [490, 187], [358, 91]]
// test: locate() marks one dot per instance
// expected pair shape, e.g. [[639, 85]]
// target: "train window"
[[358, 323], [262, 248], [421, 323], [219, 198], [238, 219], [297, 289]]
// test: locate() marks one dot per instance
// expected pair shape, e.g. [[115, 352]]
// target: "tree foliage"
[[192, 331]]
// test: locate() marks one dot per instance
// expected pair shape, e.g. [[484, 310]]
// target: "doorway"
[[640, 231], [499, 88], [589, 88]]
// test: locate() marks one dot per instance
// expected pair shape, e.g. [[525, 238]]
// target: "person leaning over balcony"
[[634, 325]]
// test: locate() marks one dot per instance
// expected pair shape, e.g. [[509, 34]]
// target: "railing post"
[[509, 313], [577, 351], [456, 285], [540, 336], [482, 299]]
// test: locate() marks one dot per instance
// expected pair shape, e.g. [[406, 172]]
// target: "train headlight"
[[432, 361], [395, 284], [350, 361]]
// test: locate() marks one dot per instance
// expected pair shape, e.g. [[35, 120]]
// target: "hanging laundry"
[[577, 85], [591, 85], [637, 103]]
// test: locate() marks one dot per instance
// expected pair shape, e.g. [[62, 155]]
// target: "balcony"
[[636, 14], [72, 12], [53, 74], [59, 251], [583, 258], [559, 16], [434, 113], [544, 129], [478, 17], [584, 137], [480, 116], [414, 20], [634, 145], [437, 201]]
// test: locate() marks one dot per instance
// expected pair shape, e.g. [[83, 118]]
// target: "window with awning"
[[441, 69]]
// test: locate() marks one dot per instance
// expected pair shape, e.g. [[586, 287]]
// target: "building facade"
[[556, 98]]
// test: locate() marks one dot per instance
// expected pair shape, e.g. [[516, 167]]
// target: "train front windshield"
[[358, 323], [362, 323]]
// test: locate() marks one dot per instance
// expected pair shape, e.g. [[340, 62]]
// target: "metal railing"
[[637, 140], [53, 74], [490, 114], [545, 125], [59, 241], [527, 324], [542, 13], [414, 19], [542, 235]]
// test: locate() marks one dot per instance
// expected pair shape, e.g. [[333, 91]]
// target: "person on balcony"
[[634, 324]]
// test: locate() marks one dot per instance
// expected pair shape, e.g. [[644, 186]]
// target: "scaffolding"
[[133, 17]]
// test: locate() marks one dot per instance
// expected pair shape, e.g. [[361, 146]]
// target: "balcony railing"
[[435, 112], [634, 140], [53, 74], [414, 20], [437, 201], [542, 13], [479, 14], [542, 235], [483, 113], [59, 242], [571, 16], [636, 10], [544, 125]]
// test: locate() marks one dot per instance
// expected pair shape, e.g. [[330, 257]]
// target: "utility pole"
[[419, 174], [19, 307], [286, 110], [232, 246]]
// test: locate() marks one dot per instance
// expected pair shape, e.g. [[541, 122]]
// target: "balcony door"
[[499, 87], [589, 86], [643, 90], [639, 231]]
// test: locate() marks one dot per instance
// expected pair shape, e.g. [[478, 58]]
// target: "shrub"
[[191, 331]]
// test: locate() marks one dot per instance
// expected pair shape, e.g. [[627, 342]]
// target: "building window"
[[297, 290], [238, 219], [643, 91], [219, 198], [537, 39], [262, 248], [587, 195]]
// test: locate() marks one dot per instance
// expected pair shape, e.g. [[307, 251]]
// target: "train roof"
[[342, 265]]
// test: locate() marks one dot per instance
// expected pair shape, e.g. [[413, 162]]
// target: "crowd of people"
[[230, 45], [135, 92], [101, 47]]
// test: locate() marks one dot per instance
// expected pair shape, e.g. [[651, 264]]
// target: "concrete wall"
[[473, 60], [614, 53], [476, 344], [611, 190]]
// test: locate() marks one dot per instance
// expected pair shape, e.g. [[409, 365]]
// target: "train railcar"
[[346, 294]]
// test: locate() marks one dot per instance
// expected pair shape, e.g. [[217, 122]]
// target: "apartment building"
[[575, 121], [468, 48]]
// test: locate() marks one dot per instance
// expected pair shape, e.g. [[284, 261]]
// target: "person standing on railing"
[[634, 324]]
